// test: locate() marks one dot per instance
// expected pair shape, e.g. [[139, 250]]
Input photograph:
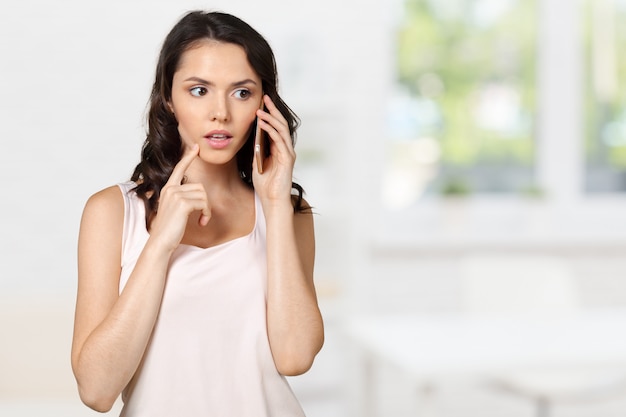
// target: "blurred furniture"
[[543, 287], [488, 348], [547, 349]]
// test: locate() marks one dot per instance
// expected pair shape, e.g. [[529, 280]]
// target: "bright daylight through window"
[[605, 41], [463, 114]]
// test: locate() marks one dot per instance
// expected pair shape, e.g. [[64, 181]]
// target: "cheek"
[[182, 125], [188, 120], [248, 116], [248, 127], [248, 122], [185, 130], [251, 122]]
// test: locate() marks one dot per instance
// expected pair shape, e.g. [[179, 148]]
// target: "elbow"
[[295, 352], [294, 366], [96, 399], [92, 390], [297, 361]]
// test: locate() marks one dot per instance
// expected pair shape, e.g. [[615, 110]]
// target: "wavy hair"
[[162, 149]]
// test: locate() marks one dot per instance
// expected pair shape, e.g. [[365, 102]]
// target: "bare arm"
[[294, 323], [111, 331], [295, 326]]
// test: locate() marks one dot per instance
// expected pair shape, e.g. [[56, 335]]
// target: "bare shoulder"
[[108, 198], [99, 262], [103, 215], [100, 244], [106, 205], [303, 220], [305, 237], [305, 207], [305, 211]]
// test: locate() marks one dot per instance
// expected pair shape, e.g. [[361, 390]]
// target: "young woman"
[[195, 292]]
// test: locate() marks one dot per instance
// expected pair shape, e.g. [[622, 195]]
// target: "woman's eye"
[[242, 94], [198, 91]]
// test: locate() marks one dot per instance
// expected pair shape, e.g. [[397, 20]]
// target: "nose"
[[219, 109]]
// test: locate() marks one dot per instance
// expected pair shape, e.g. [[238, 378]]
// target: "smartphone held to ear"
[[261, 147]]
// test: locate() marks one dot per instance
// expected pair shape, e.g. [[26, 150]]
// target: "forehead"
[[211, 59]]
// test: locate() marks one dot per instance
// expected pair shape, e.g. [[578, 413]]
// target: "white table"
[[431, 348]]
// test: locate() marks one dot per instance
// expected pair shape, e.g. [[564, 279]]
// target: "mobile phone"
[[261, 146]]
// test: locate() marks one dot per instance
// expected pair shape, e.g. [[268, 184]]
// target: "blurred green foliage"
[[465, 54], [605, 114]]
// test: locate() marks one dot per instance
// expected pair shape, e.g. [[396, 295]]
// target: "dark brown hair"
[[162, 148]]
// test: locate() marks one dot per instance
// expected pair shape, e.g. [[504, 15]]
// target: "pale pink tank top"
[[209, 354]]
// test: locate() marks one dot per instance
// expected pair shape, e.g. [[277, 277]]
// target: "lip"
[[218, 139]]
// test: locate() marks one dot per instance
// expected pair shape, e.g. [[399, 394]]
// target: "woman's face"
[[215, 95]]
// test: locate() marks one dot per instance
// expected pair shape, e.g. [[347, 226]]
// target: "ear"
[[171, 107]]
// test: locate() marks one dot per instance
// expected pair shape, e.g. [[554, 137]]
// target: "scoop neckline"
[[219, 245], [230, 241]]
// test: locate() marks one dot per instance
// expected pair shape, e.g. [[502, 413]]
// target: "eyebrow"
[[235, 84]]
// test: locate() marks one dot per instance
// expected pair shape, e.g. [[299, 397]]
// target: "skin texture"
[[204, 203]]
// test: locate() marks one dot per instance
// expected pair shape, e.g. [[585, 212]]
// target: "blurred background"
[[466, 160]]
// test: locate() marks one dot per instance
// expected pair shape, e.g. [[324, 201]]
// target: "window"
[[605, 41], [462, 115]]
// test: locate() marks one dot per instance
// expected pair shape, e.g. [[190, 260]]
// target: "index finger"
[[181, 167], [273, 110]]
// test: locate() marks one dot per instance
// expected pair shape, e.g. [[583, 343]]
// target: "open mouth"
[[218, 137]]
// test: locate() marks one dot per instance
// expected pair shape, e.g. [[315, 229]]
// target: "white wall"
[[74, 81]]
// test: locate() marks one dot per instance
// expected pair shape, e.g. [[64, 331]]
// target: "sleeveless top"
[[209, 353]]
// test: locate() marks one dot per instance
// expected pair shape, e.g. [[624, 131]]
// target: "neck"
[[216, 179]]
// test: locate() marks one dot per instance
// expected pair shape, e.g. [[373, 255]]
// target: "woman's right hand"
[[113, 328], [176, 202]]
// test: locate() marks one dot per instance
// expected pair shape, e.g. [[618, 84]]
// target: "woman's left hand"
[[274, 185]]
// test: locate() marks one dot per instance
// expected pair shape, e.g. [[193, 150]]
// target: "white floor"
[[36, 381]]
